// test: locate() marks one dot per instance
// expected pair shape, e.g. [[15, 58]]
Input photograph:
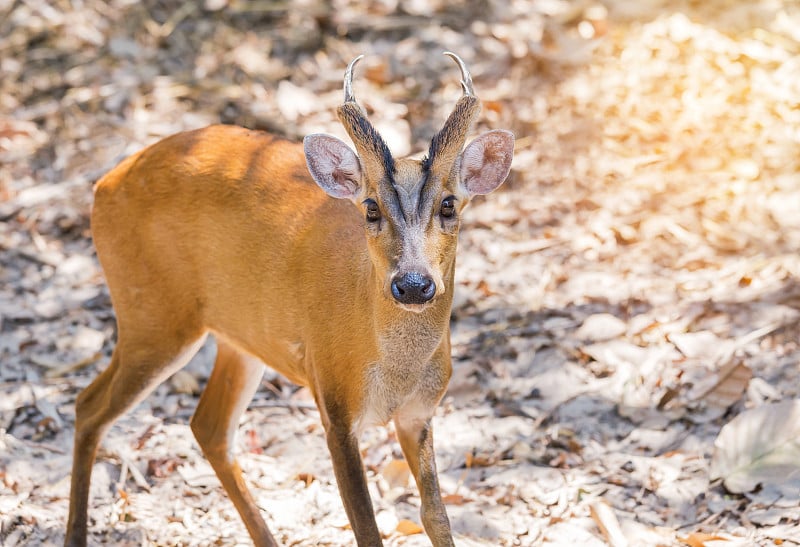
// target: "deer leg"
[[233, 382], [416, 439], [137, 367], [349, 471]]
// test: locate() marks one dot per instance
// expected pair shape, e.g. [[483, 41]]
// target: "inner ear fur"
[[486, 161], [333, 165]]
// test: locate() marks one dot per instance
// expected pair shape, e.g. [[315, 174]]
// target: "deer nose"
[[413, 288]]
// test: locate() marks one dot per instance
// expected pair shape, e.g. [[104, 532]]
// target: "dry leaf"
[[605, 519], [409, 528], [699, 539], [702, 344], [729, 385], [600, 327], [396, 473], [455, 499], [306, 478], [759, 446], [253, 442], [633, 179], [184, 382], [480, 460], [160, 468], [294, 101]]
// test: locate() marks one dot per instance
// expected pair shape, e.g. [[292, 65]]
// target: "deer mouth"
[[415, 308]]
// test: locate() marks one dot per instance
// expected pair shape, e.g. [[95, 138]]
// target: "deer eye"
[[373, 213], [448, 209]]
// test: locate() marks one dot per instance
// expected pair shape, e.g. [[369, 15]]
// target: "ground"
[[625, 329]]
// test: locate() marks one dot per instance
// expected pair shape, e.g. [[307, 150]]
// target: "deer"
[[233, 232]]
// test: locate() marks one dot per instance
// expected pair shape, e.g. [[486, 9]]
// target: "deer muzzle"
[[413, 288]]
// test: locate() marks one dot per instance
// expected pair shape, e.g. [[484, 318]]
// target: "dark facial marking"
[[364, 134], [454, 132]]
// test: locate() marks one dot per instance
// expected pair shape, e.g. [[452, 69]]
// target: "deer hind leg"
[[138, 364], [233, 382]]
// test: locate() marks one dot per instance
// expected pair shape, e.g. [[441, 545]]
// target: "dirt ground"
[[625, 327]]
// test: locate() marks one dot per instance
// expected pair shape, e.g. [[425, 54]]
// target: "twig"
[[43, 446], [299, 405], [742, 341], [137, 476], [163, 31], [63, 370], [606, 520], [31, 256]]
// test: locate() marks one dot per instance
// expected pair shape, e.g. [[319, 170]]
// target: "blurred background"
[[626, 303]]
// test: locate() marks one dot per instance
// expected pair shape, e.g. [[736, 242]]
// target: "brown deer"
[[224, 230]]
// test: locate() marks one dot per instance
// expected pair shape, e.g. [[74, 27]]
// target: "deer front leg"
[[416, 439], [350, 476], [415, 433]]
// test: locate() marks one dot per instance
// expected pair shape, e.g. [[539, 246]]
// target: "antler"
[[348, 80], [466, 78], [447, 143], [375, 156]]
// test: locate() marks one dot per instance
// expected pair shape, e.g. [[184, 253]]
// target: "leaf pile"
[[625, 325]]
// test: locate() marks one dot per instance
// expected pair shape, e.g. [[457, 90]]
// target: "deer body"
[[222, 230]]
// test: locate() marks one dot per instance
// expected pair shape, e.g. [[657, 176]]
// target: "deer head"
[[411, 208]]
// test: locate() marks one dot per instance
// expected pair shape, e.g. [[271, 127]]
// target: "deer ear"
[[334, 166], [486, 161]]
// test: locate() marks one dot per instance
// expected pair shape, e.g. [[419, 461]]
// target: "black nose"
[[413, 288]]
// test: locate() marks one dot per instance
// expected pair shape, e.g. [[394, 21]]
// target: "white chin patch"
[[416, 308]]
